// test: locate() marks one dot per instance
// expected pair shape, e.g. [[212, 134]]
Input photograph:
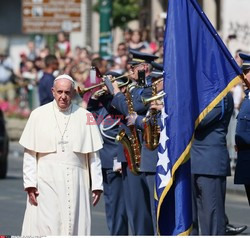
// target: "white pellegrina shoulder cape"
[[39, 132]]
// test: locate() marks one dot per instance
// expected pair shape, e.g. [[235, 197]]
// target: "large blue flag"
[[198, 72]]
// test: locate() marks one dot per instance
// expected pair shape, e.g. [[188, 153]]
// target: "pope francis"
[[61, 164]]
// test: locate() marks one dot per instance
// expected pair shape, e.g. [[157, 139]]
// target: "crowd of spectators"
[[76, 62]]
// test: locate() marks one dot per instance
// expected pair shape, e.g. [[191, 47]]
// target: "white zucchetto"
[[65, 76]]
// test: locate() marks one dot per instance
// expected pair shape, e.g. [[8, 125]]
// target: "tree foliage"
[[123, 11]]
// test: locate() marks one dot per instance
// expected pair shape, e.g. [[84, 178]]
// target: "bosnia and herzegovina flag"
[[199, 72]]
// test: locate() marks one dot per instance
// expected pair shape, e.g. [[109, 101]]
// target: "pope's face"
[[63, 93]]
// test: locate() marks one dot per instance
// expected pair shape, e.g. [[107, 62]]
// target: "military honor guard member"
[[210, 165], [138, 192], [108, 120], [242, 136]]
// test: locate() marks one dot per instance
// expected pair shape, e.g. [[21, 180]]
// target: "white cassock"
[[64, 153]]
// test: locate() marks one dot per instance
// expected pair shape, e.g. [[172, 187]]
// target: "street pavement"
[[13, 200]]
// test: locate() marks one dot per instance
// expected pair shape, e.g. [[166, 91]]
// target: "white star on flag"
[[163, 160], [163, 138], [164, 179]]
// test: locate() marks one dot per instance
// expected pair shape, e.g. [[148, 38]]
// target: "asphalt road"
[[13, 199]]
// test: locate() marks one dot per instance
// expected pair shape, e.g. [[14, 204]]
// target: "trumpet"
[[160, 95], [84, 90], [102, 91]]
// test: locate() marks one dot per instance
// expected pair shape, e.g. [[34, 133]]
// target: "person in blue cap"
[[242, 136], [246, 62], [108, 121], [139, 187], [209, 169], [210, 165], [140, 65], [231, 229], [156, 73], [149, 156], [134, 188]]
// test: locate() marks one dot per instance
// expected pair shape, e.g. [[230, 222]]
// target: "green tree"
[[123, 11]]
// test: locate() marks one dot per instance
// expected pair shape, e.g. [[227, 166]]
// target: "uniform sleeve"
[[119, 102], [217, 112], [139, 122], [139, 106], [212, 117], [29, 169], [95, 171], [93, 105]]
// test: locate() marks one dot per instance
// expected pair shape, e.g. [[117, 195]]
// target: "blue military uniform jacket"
[[109, 127], [209, 154], [148, 158], [242, 140], [242, 136]]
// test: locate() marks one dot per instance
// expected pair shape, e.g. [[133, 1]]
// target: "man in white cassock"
[[61, 164]]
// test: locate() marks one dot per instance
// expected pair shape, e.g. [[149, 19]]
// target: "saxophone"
[[151, 134], [131, 144]]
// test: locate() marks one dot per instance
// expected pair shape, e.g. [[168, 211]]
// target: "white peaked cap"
[[65, 76]]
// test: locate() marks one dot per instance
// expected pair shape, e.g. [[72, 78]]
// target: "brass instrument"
[[132, 86], [158, 96], [84, 90], [101, 91], [155, 96], [131, 144], [151, 134]]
